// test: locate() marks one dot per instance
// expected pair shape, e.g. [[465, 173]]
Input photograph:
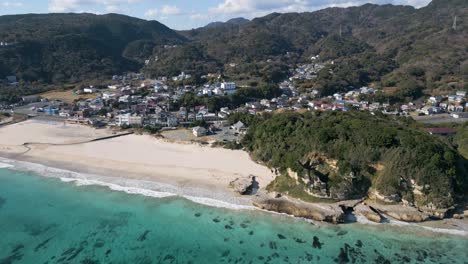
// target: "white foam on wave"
[[446, 231], [130, 186], [217, 203], [397, 223], [5, 165], [115, 187]]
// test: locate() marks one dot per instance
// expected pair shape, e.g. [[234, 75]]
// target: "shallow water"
[[44, 220]]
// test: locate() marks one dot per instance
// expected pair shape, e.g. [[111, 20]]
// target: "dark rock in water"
[[359, 244], [343, 256], [381, 260], [75, 254], [2, 201], [144, 235], [17, 248], [226, 239], [422, 255], [272, 245], [108, 252], [280, 236], [243, 225], [262, 245], [241, 242], [275, 255], [197, 214], [227, 227], [298, 240], [261, 257], [342, 233], [316, 243], [226, 253], [89, 261], [309, 257], [169, 257], [12, 258], [42, 244], [251, 233], [216, 220], [99, 243], [68, 251]]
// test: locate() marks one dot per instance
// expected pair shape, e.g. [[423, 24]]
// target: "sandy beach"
[[136, 157]]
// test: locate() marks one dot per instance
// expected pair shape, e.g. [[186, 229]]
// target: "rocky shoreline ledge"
[[341, 212]]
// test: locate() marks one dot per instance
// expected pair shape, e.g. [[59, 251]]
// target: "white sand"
[[138, 157], [47, 132]]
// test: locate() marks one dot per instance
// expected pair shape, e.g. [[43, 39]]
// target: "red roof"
[[441, 130]]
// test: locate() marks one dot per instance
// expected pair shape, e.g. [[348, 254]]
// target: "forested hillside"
[[351, 155], [57, 48], [394, 46]]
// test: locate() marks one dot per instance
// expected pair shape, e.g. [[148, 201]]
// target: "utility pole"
[[454, 23]]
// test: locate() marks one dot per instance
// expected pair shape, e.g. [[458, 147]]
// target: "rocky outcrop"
[[366, 211], [317, 211], [244, 185], [402, 213]]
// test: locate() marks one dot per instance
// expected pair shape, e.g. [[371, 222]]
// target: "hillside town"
[[134, 101]]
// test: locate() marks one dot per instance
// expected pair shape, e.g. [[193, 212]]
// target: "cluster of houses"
[[307, 71], [133, 100], [452, 103]]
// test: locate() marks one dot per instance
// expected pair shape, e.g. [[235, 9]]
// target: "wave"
[[4, 165], [130, 186], [397, 223], [115, 187]]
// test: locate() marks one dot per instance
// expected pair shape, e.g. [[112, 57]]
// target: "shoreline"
[[161, 190], [141, 164]]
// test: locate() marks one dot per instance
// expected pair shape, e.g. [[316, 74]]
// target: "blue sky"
[[184, 14]]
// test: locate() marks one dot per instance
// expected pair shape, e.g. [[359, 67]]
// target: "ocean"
[[46, 220]]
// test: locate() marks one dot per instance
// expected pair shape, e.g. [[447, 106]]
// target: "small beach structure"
[[199, 131]]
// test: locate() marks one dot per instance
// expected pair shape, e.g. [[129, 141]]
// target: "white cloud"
[[164, 12], [170, 10], [251, 8], [152, 12], [11, 4], [198, 16], [74, 5]]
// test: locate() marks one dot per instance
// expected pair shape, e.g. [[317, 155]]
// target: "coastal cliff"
[[401, 171]]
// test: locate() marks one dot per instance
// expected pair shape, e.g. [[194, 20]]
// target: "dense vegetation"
[[56, 48], [391, 46], [353, 153]]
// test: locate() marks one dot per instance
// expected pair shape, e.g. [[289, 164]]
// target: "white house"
[[199, 131], [89, 90], [129, 120], [228, 87]]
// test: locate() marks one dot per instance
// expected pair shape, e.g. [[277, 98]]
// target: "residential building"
[[199, 131], [129, 120]]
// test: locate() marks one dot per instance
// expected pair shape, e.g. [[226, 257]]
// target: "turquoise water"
[[46, 221]]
